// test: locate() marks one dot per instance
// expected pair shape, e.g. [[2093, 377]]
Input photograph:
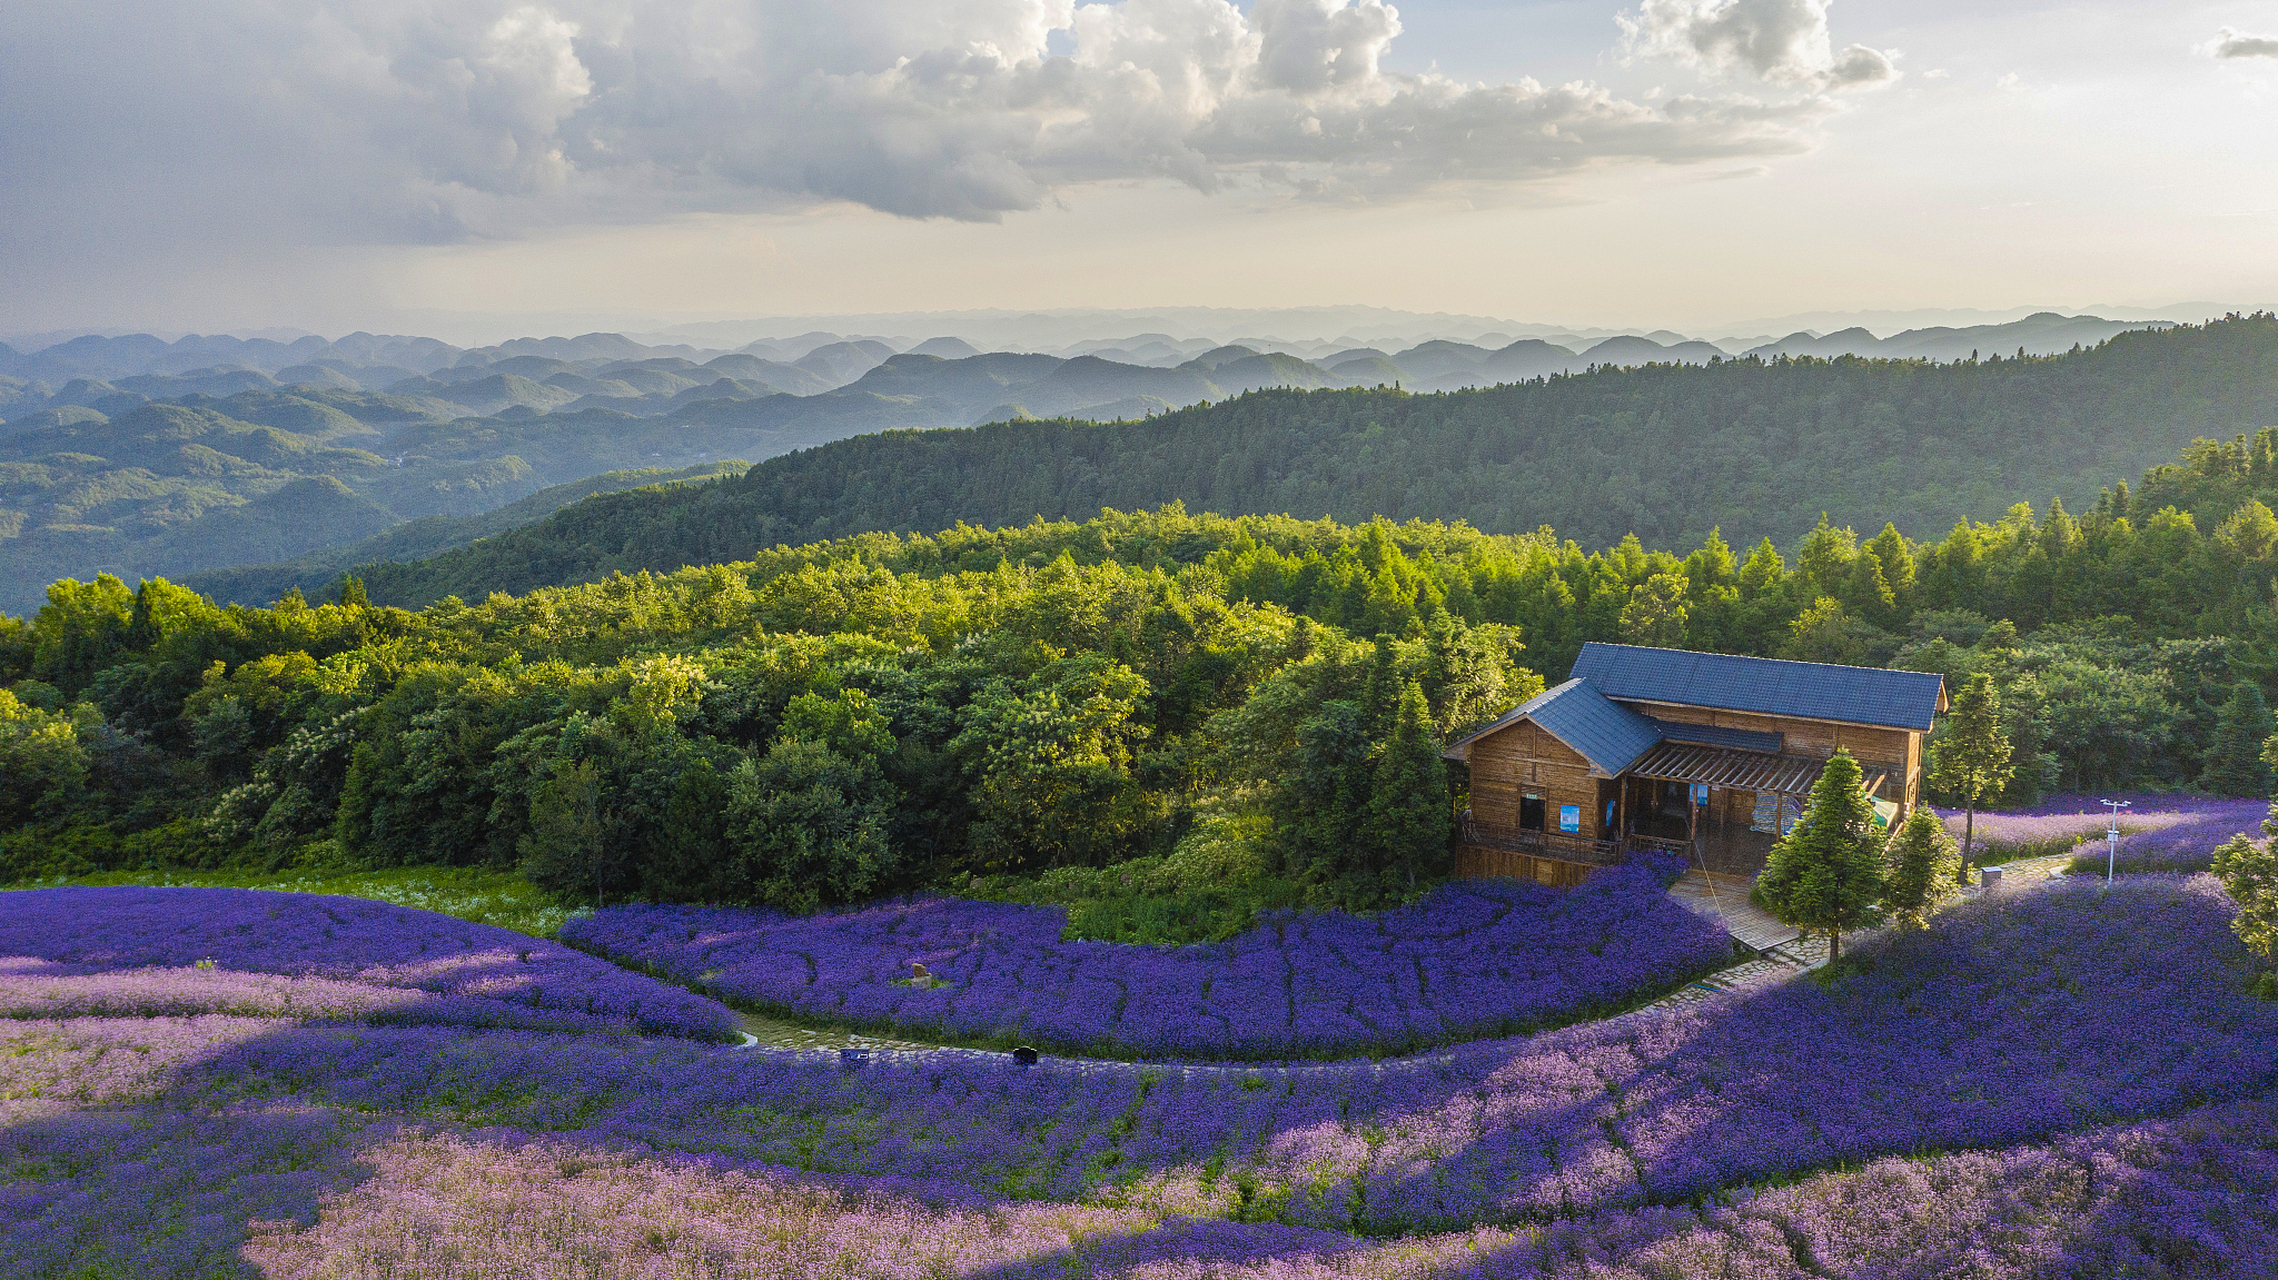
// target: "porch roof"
[[1724, 767]]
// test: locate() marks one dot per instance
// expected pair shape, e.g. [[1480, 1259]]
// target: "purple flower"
[[1474, 959], [411, 965]]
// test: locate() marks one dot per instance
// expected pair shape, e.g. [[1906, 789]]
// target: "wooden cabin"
[[1710, 754]]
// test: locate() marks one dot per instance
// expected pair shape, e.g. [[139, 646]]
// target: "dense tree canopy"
[[883, 711]]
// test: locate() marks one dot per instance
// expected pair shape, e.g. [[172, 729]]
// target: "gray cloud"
[[1783, 42], [2238, 44], [402, 121]]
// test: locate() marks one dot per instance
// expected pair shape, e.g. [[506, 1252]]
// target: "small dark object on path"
[[1025, 1056]]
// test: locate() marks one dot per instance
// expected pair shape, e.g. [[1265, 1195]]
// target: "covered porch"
[[1724, 806]]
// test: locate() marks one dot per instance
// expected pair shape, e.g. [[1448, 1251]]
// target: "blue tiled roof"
[[1609, 737], [1712, 736], [1766, 686]]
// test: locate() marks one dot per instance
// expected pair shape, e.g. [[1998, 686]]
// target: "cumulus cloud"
[[2238, 44], [1784, 42], [389, 121]]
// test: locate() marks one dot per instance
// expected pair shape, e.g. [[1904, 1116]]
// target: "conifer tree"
[[2235, 766], [1380, 688], [1407, 825], [1922, 862], [1764, 570], [1828, 872], [1971, 759], [1896, 559]]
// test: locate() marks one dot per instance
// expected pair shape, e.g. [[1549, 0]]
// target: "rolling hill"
[[1666, 451]]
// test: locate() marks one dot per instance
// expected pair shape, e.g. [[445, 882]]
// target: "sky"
[[1703, 165]]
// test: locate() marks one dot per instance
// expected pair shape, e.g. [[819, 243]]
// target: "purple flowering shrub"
[[132, 950], [1473, 959], [2015, 1018]]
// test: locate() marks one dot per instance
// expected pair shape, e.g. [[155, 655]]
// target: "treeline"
[[1664, 452], [1239, 698], [794, 734]]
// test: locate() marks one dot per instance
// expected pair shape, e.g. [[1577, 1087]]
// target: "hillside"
[[1666, 452], [312, 574]]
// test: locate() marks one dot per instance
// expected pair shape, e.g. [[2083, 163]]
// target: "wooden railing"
[[1655, 844], [1545, 844]]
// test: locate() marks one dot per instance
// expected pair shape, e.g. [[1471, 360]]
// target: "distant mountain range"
[[140, 456], [1666, 452]]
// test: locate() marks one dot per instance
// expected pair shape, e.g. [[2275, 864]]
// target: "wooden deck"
[[1725, 897]]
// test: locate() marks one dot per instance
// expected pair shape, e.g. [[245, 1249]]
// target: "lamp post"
[[2112, 837]]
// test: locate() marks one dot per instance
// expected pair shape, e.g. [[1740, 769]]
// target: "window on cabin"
[[1530, 813]]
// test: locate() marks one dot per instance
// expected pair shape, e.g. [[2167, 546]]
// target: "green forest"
[[1666, 452], [1210, 712]]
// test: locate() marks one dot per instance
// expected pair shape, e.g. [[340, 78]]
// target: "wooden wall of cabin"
[[1474, 863], [1522, 760], [1897, 752]]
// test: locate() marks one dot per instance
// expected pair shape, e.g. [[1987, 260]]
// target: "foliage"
[[2249, 872], [1827, 873], [1971, 758], [1012, 700], [1923, 867], [2235, 764]]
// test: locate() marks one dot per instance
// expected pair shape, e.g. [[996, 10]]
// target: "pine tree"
[[1896, 559], [1827, 873], [1922, 862], [1408, 814], [1971, 759], [2235, 766]]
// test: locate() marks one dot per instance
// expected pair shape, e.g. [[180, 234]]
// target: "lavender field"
[[1475, 959], [2158, 832], [132, 951], [2086, 1062]]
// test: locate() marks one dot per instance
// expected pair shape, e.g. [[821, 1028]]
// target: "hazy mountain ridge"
[[131, 468], [430, 535], [1758, 448]]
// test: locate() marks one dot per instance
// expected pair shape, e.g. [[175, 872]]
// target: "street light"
[[2112, 837]]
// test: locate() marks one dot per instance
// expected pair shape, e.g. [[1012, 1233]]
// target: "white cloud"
[[1784, 42], [390, 121], [2238, 44]]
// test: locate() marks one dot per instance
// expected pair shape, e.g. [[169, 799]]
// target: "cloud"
[[2237, 44], [406, 121], [1783, 42]]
